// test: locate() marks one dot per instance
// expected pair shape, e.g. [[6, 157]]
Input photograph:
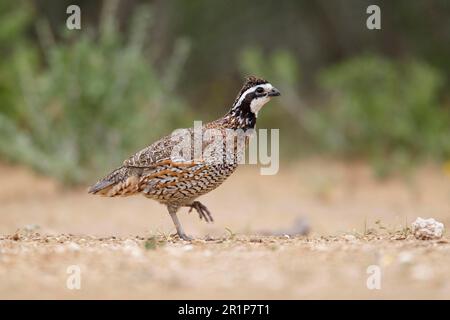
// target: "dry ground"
[[124, 248]]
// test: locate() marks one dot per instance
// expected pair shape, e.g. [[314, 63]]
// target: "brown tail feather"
[[100, 185], [120, 182]]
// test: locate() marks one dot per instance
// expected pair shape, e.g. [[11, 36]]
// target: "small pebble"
[[427, 229], [349, 237]]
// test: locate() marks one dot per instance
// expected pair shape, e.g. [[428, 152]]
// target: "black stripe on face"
[[244, 113]]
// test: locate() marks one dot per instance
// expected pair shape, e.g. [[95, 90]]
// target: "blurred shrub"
[[15, 19], [96, 100], [385, 110]]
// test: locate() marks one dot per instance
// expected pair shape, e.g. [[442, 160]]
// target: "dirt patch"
[[123, 247], [38, 266]]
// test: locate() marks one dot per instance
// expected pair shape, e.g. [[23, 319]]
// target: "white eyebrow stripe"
[[266, 86]]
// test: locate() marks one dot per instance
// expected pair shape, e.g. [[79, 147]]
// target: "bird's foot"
[[202, 210], [185, 237], [182, 236]]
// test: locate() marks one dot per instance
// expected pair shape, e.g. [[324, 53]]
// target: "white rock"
[[427, 229], [349, 237], [130, 243]]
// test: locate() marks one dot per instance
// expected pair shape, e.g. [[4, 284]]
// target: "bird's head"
[[255, 93]]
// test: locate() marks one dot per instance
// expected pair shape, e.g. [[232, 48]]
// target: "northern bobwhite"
[[157, 174]]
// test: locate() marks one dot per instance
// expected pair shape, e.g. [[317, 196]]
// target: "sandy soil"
[[123, 247]]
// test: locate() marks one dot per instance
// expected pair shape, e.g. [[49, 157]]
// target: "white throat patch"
[[258, 103]]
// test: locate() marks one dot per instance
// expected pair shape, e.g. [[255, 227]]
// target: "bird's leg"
[[202, 210], [176, 222]]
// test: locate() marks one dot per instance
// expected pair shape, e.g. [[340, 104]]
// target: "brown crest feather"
[[252, 81]]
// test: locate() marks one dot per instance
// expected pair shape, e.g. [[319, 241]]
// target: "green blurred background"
[[74, 103]]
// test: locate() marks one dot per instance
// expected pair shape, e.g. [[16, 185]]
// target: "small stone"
[[349, 237], [427, 229]]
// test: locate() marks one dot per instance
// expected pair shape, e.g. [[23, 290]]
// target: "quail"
[[160, 173]]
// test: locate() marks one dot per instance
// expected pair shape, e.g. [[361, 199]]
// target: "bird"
[[159, 173]]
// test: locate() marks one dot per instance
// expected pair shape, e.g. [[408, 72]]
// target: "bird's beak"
[[274, 93]]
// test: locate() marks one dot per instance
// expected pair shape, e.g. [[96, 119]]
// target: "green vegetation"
[[96, 100], [387, 111], [73, 104]]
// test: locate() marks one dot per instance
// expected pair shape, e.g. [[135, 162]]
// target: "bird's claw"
[[202, 210], [182, 236]]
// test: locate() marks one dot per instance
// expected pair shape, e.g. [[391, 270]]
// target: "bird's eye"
[[260, 90]]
